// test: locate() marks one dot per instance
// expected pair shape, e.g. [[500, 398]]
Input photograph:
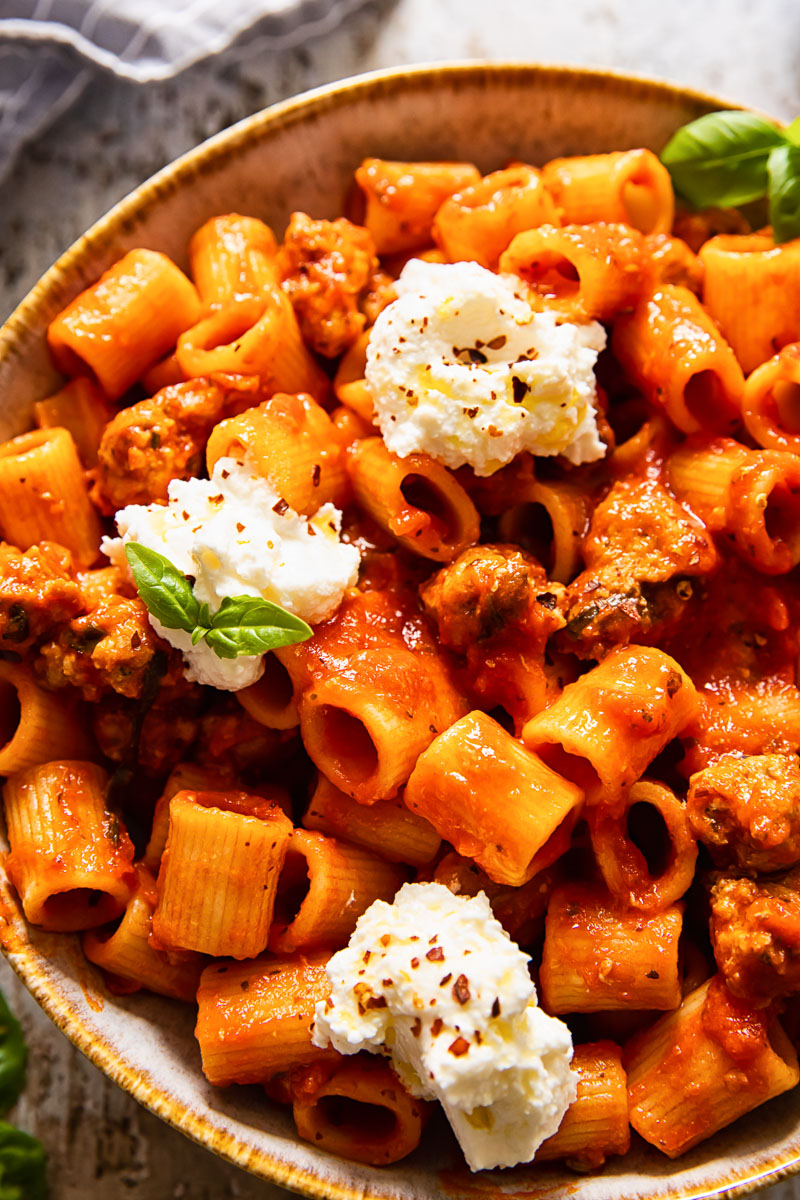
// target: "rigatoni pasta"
[[538, 647]]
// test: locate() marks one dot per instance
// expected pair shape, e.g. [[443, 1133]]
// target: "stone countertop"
[[102, 1145]]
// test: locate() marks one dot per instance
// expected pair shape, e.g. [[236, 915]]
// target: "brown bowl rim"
[[100, 235]]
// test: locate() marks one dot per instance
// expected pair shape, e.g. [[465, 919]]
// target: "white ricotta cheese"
[[461, 367], [235, 536], [434, 982]]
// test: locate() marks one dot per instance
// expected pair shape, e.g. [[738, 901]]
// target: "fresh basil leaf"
[[783, 170], [166, 592], [252, 610], [13, 1057], [23, 1165], [250, 625], [721, 158], [792, 132]]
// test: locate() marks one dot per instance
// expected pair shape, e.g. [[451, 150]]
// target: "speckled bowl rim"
[[21, 955]]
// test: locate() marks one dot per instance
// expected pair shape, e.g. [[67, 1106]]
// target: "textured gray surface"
[[102, 1144]]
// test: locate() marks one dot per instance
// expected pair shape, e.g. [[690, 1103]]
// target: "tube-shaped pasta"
[[598, 957], [218, 877], [644, 438], [290, 440], [253, 335], [596, 1123], [271, 700], [126, 953], [456, 784], [71, 859], [362, 1112], [349, 385], [701, 1067], [582, 271], [607, 726], [189, 777], [125, 322], [81, 408], [36, 726], [653, 880], [752, 290], [350, 427], [254, 1018], [165, 373], [549, 520], [43, 494], [366, 726], [630, 186], [670, 347], [415, 499], [771, 401], [764, 511], [232, 256], [324, 887], [672, 261], [388, 827], [403, 198], [701, 472], [477, 224], [754, 495]]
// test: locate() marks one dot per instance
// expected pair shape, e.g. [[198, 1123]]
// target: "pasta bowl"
[[301, 155]]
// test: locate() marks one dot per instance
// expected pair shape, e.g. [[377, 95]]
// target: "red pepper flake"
[[366, 956], [458, 1047], [436, 954], [216, 499], [225, 474], [498, 342], [446, 979], [478, 1037], [386, 939], [136, 641], [416, 1028], [387, 983], [470, 412], [239, 527], [281, 507], [415, 963], [311, 530], [185, 515], [520, 389], [496, 1007], [461, 991], [316, 474], [436, 1027], [376, 1002]]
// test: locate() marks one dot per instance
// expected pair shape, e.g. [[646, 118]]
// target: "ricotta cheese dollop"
[[434, 982], [461, 367], [236, 536]]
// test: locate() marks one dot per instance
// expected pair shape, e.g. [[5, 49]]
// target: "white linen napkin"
[[50, 49]]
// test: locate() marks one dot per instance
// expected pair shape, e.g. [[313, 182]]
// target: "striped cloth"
[[50, 49]]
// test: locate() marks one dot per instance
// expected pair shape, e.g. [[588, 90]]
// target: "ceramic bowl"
[[301, 155]]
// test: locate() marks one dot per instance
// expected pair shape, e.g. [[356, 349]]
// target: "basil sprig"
[[241, 624], [732, 158]]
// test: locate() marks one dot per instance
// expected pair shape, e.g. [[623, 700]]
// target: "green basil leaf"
[[13, 1057], [792, 132], [721, 158], [166, 592], [250, 625], [23, 1164], [783, 170]]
